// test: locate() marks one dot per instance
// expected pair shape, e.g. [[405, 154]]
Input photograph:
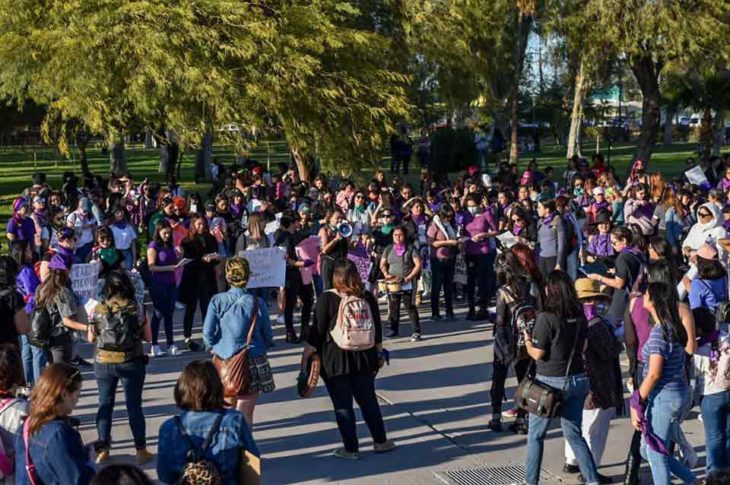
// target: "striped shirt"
[[673, 372]]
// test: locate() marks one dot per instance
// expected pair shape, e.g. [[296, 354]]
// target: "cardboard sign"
[[268, 267], [84, 280], [308, 249]]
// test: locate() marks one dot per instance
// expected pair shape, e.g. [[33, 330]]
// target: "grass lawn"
[[17, 164]]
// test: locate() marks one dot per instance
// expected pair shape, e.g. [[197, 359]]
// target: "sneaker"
[[601, 479], [518, 427], [389, 445], [510, 413], [174, 350], [568, 468], [192, 345], [416, 337], [280, 319], [437, 318], [471, 316], [179, 306], [391, 334], [102, 456], [143, 456], [495, 425], [347, 455], [450, 316], [157, 351]]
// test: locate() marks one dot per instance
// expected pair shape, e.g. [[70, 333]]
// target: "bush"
[[453, 150]]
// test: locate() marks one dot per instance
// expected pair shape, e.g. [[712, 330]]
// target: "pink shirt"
[[441, 253]]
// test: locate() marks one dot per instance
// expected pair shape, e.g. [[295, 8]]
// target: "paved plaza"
[[435, 402]]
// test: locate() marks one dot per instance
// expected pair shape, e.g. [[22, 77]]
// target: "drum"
[[382, 286], [394, 287]]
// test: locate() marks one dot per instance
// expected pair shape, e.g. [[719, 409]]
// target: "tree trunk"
[[706, 132], [718, 132], [117, 156], [203, 157], [304, 163], [646, 72], [576, 116], [82, 141], [669, 126], [169, 152], [149, 140], [523, 31]]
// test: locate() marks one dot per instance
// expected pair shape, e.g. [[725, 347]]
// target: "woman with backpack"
[[216, 435], [56, 297], [350, 373], [50, 443], [401, 265], [555, 344], [237, 320], [13, 408], [513, 299], [118, 329]]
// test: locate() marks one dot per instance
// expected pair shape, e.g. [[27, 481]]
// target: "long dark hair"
[[346, 278], [660, 294], [509, 271], [17, 253], [159, 226], [560, 296], [56, 282], [8, 272], [118, 284]]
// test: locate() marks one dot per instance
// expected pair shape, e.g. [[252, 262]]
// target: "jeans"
[[716, 420], [362, 387], [476, 275], [34, 360], [408, 299], [202, 297], [571, 417], [571, 263], [663, 413], [442, 274], [163, 302], [132, 374], [128, 261], [499, 376]]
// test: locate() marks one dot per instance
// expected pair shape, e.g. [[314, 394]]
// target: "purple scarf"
[[652, 440], [418, 219], [399, 249], [517, 229], [599, 205], [120, 224]]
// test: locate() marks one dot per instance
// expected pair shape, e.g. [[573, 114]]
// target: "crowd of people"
[[575, 271]]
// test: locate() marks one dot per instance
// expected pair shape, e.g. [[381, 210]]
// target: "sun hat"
[[599, 191], [707, 251], [587, 288]]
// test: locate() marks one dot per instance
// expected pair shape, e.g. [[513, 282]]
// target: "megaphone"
[[345, 229]]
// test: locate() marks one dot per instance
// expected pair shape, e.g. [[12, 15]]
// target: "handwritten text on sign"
[[268, 267], [84, 279]]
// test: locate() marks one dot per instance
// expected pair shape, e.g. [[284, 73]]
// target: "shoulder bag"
[[234, 371], [540, 399]]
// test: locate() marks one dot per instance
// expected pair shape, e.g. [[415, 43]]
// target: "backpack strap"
[[200, 453], [29, 466]]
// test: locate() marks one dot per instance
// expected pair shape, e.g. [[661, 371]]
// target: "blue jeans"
[[571, 420], [663, 413], [34, 360], [163, 302], [716, 420], [132, 374], [571, 263], [128, 262]]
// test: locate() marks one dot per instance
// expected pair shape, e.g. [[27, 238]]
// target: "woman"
[[401, 264], [346, 373], [558, 337], [50, 437], [163, 262], [601, 358], [198, 283], [442, 240], [550, 237], [26, 281], [709, 288], [13, 410], [199, 396], [333, 245], [599, 246], [56, 296], [109, 257], [639, 209], [479, 249], [119, 356], [708, 229], [522, 226], [661, 400], [628, 264], [514, 293], [125, 236], [358, 215], [84, 223], [228, 328], [254, 237], [20, 226]]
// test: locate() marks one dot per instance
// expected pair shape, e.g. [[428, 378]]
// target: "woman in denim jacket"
[[56, 449], [199, 394]]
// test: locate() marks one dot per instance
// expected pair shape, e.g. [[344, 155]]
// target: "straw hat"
[[587, 288]]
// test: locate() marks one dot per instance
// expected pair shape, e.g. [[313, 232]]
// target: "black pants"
[[328, 270], [442, 274], [362, 387], [296, 289], [546, 265], [408, 299], [499, 377], [202, 298], [61, 349], [477, 276]]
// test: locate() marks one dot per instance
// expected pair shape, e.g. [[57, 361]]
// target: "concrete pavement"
[[435, 402]]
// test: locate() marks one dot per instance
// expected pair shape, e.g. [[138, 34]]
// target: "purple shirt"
[[600, 246], [474, 225], [25, 231], [166, 256]]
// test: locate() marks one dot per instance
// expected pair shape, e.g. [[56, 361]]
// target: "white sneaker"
[[179, 306], [280, 319], [174, 350], [157, 351]]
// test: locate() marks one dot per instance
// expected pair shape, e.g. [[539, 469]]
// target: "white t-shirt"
[[123, 237]]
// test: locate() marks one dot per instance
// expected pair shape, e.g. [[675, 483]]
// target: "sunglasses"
[[705, 214], [359, 196], [387, 215]]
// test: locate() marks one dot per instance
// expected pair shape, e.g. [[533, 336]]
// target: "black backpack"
[[198, 470], [118, 331], [42, 322]]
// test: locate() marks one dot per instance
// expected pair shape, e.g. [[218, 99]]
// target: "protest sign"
[[84, 280], [268, 267], [360, 257], [460, 269], [308, 249], [696, 176]]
